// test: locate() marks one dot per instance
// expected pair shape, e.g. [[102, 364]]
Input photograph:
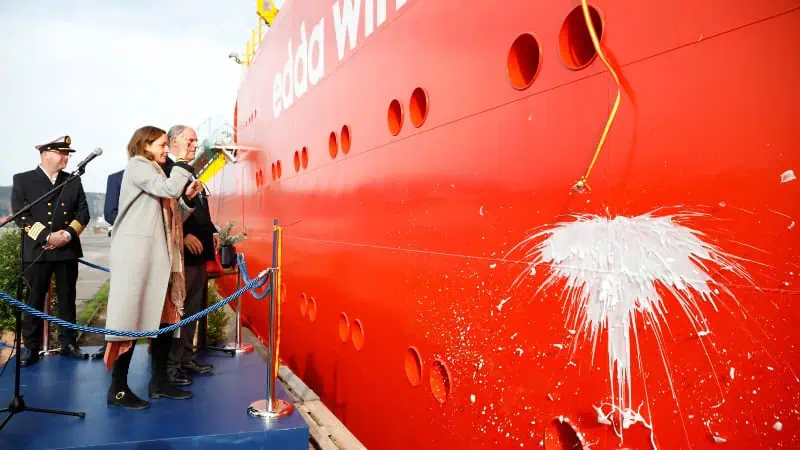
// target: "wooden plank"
[[326, 430]]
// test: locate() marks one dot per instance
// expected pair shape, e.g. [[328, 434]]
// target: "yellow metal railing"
[[266, 14]]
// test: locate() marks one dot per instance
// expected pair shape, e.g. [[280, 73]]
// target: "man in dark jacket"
[[52, 243], [201, 242], [113, 186]]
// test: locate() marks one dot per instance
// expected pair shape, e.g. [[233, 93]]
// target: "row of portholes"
[[301, 159], [333, 142], [308, 307], [439, 377], [356, 331], [574, 46], [277, 170], [418, 107], [259, 178]]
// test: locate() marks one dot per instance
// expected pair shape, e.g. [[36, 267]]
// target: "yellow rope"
[[583, 182], [278, 301]]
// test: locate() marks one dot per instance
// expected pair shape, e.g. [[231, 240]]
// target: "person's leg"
[[181, 348], [160, 385], [195, 291], [119, 393], [37, 277], [66, 274]]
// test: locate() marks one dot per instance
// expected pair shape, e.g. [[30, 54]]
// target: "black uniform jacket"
[[65, 209]]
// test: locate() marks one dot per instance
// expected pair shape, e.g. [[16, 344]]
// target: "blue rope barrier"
[[246, 279], [94, 266], [135, 334]]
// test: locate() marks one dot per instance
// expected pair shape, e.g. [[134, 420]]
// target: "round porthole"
[[345, 139], [575, 41], [418, 106], [333, 146], [395, 117], [523, 61]]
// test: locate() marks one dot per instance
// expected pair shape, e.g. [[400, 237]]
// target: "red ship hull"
[[446, 287]]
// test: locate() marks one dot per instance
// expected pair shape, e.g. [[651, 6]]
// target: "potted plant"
[[228, 241]]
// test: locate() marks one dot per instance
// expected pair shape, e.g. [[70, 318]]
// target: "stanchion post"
[[272, 407], [238, 346], [48, 301]]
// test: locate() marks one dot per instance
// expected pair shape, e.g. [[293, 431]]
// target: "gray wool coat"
[[139, 261]]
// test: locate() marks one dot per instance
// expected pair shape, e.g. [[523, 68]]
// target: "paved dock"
[[95, 250]]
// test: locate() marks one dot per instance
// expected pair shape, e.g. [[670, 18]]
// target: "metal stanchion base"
[[259, 409], [243, 347]]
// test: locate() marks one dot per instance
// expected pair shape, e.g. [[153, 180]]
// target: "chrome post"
[[46, 350], [46, 325], [272, 407], [238, 346]]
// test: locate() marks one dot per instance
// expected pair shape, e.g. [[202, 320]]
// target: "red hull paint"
[[412, 234]]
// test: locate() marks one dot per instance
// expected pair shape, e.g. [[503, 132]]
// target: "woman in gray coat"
[[146, 261]]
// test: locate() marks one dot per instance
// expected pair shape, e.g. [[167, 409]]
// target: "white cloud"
[[97, 72]]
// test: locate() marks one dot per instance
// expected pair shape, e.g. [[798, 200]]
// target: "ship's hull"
[[447, 287]]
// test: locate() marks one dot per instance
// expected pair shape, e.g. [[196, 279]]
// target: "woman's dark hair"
[[142, 138]]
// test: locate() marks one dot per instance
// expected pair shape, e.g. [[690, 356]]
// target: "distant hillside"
[[95, 200]]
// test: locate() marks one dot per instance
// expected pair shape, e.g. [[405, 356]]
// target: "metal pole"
[[46, 324], [48, 300], [272, 407], [238, 346]]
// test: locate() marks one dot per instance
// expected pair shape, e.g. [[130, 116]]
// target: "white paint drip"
[[503, 302], [629, 418], [733, 372], [612, 267], [788, 176]]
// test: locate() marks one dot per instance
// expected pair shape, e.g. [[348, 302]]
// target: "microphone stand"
[[17, 404]]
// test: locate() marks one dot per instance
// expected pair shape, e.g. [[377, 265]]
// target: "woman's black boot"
[[119, 394], [159, 380]]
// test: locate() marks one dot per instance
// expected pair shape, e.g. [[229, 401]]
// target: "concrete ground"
[[95, 250]]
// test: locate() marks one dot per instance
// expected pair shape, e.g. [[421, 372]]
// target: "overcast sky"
[[96, 70]]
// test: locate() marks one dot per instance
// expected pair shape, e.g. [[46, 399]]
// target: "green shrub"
[[217, 320], [9, 266]]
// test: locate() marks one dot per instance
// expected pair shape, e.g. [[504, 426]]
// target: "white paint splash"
[[788, 176], [777, 426], [612, 267]]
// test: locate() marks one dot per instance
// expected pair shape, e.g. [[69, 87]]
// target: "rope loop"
[[246, 278]]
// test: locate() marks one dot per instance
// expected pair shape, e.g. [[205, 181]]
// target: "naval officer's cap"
[[59, 144]]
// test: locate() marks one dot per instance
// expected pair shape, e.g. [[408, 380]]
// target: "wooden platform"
[[215, 418]]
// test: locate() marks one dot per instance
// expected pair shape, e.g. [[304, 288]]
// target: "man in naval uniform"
[[52, 244]]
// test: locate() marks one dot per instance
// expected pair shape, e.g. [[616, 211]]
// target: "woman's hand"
[[193, 189]]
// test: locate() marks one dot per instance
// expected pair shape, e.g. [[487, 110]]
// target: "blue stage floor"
[[215, 418]]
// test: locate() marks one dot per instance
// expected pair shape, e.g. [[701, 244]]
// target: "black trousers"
[[38, 278], [182, 348]]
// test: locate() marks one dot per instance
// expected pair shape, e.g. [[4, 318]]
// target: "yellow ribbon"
[[278, 301], [583, 182]]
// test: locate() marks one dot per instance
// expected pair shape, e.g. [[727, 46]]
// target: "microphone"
[[95, 153]]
